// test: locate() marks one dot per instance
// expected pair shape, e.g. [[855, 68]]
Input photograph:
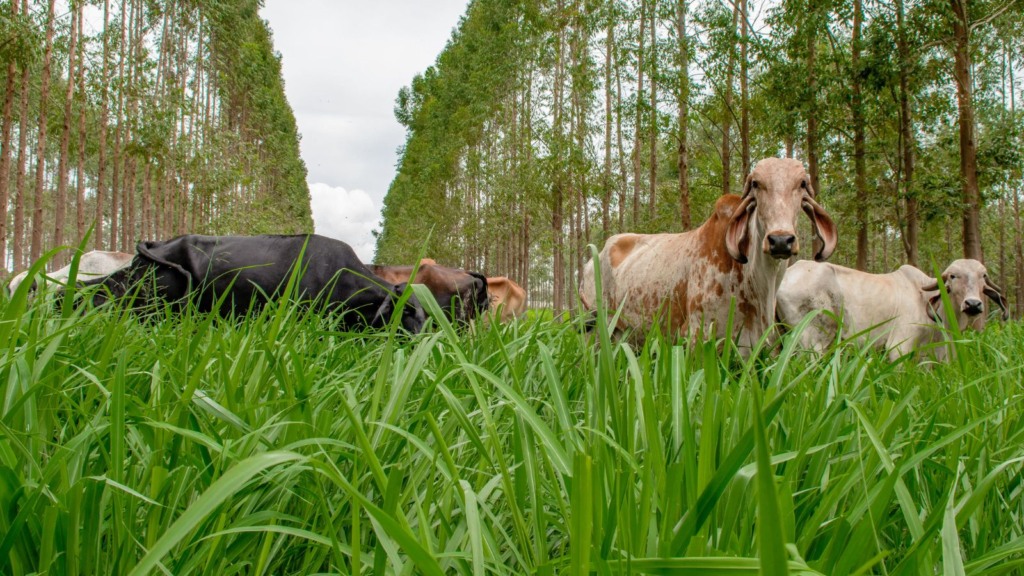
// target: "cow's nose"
[[972, 307], [781, 245]]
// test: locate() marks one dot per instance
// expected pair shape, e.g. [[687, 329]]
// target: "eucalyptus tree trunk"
[[1018, 244], [101, 173], [910, 241], [744, 96], [83, 104], [606, 197], [860, 169], [727, 115], [558, 267], [623, 177], [639, 114], [44, 99], [971, 197], [811, 26], [64, 160], [18, 242], [683, 114], [10, 93], [116, 185], [652, 179]]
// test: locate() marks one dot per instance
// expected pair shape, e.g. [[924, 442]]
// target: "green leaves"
[[278, 445]]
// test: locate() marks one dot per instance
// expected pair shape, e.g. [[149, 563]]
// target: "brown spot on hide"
[[622, 247], [679, 310]]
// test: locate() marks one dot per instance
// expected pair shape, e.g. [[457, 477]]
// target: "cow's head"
[[413, 316], [775, 192], [967, 284]]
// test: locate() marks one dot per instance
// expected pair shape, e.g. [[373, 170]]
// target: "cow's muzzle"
[[973, 307], [781, 245]]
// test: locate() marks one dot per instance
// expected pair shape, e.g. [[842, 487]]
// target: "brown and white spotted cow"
[[740, 253]]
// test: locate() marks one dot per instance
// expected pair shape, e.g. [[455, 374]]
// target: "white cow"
[[739, 254], [91, 266], [899, 311]]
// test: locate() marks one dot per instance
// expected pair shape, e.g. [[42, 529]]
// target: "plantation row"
[[192, 444]]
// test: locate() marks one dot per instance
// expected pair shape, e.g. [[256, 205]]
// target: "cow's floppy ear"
[[934, 306], [993, 292], [143, 249], [824, 228], [736, 237], [483, 300]]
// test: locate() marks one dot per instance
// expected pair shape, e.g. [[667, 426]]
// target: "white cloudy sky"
[[344, 62]]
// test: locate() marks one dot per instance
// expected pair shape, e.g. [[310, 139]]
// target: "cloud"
[[350, 216]]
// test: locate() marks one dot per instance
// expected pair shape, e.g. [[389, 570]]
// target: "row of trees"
[[142, 119], [546, 125]]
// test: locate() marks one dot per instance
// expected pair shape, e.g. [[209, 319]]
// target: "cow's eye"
[[803, 184], [754, 185], [952, 276]]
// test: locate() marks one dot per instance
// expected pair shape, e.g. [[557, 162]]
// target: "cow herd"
[[234, 275], [731, 275], [736, 266]]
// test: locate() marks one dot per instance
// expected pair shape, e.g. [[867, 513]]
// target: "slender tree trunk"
[[968, 146], [639, 114], [44, 99], [10, 93], [744, 96], [860, 168], [101, 174], [812, 109], [18, 241], [557, 232], [623, 177], [727, 115], [606, 198], [82, 105], [116, 185], [684, 112], [1018, 243], [64, 161], [907, 139], [652, 179]]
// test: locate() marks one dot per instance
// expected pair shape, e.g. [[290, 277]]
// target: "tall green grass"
[[190, 444]]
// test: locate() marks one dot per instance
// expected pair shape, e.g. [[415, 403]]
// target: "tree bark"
[[860, 169], [10, 93], [18, 242], [59, 205], [652, 179], [44, 101], [83, 105], [744, 96], [683, 114], [639, 114], [812, 114], [727, 114], [907, 139], [971, 196], [607, 184], [101, 174]]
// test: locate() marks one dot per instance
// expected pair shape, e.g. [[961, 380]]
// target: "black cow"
[[248, 270]]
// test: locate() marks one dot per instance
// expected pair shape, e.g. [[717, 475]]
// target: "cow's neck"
[[762, 275]]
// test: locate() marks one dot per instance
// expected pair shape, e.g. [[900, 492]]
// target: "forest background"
[[546, 125], [142, 119]]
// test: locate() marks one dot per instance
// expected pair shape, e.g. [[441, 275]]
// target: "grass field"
[[196, 445]]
